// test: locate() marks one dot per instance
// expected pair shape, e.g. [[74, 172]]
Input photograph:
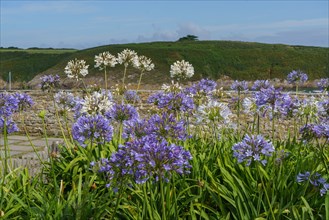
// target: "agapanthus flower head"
[[315, 131], [49, 82], [204, 86], [267, 96], [215, 112], [127, 57], [308, 107], [181, 70], [146, 158], [65, 101], [239, 86], [92, 128], [173, 87], [135, 129], [176, 102], [217, 93], [253, 148], [143, 64], [11, 126], [105, 59], [323, 84], [287, 106], [314, 179], [97, 103], [131, 96], [297, 77], [249, 105], [167, 127], [75, 68], [24, 101], [323, 109], [122, 112], [261, 84], [8, 104]]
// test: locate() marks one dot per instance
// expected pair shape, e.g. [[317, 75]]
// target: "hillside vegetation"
[[26, 64], [211, 59]]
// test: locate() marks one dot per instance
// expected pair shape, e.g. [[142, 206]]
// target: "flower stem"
[[146, 202], [265, 191], [105, 78], [139, 82], [5, 144], [118, 201], [162, 199]]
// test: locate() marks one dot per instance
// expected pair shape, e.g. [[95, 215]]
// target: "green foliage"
[[188, 38], [211, 59], [25, 64]]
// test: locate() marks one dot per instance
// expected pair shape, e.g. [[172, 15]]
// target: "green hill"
[[211, 59]]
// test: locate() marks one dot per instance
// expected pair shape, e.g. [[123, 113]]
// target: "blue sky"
[[85, 24]]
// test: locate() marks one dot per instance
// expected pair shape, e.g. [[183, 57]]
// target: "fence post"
[[9, 80]]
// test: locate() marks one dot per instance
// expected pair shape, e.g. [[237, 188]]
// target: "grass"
[[42, 51], [211, 59]]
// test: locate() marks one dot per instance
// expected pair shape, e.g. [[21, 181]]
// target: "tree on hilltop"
[[189, 38]]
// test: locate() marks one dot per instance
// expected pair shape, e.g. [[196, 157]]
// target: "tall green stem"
[[118, 200], [164, 217], [5, 145], [124, 76], [239, 113], [139, 83], [105, 78], [146, 202], [273, 123], [265, 191]]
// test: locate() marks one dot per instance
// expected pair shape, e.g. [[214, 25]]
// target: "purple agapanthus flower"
[[204, 86], [49, 82], [166, 126], [287, 106], [252, 148], [65, 101], [10, 125], [297, 77], [8, 104], [135, 129], [145, 158], [261, 84], [176, 102], [131, 97], [239, 86], [267, 96], [312, 131], [92, 128], [122, 112], [323, 110], [323, 84], [314, 179], [24, 101]]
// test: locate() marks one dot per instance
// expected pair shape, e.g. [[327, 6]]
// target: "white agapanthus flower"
[[214, 111], [127, 57], [65, 101], [308, 108], [181, 70], [105, 59], [173, 87], [249, 105], [143, 64], [75, 68], [97, 103]]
